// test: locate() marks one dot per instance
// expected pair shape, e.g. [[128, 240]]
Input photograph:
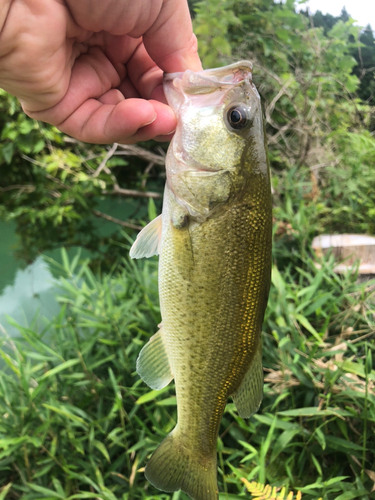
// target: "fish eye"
[[238, 117]]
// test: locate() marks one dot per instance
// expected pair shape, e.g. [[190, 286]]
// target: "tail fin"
[[174, 466]]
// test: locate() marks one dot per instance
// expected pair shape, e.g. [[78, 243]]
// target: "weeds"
[[77, 422]]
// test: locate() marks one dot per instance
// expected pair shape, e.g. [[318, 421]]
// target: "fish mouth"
[[178, 85], [213, 78]]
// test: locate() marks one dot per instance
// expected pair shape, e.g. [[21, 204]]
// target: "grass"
[[77, 422]]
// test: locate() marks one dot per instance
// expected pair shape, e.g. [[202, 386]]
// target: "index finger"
[[170, 41]]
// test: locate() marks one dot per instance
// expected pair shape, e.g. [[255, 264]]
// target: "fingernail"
[[149, 122]]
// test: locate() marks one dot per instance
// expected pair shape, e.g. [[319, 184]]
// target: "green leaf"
[[58, 487], [59, 368], [348, 495], [314, 412], [4, 491], [318, 303], [45, 491], [172, 401], [8, 151], [320, 437], [150, 396], [306, 323], [151, 209], [83, 495], [368, 363], [100, 446], [355, 368], [342, 444], [317, 464], [334, 480], [10, 362], [280, 424], [64, 412], [7, 442], [278, 281], [283, 441]]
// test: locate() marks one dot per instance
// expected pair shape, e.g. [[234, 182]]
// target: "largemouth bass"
[[214, 242]]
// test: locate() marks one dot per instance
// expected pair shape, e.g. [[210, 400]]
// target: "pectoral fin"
[[249, 395], [153, 365], [148, 240]]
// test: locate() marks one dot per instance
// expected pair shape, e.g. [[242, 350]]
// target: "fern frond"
[[267, 492]]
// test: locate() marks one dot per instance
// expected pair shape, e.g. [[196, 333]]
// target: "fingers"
[[126, 122], [113, 54], [129, 57], [143, 72], [113, 97], [117, 17], [170, 41], [165, 26], [93, 110]]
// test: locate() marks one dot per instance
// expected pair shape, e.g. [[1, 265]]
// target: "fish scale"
[[214, 243]]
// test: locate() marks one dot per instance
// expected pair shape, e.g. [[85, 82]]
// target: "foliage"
[[363, 52], [352, 188], [211, 26], [52, 186], [326, 21], [365, 70], [311, 78], [77, 422], [316, 126], [77, 425]]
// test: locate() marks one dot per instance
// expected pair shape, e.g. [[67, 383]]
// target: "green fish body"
[[214, 242]]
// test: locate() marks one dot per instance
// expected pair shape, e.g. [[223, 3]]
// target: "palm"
[[108, 77]]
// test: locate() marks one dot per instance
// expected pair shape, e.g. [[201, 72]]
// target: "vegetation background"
[[75, 420]]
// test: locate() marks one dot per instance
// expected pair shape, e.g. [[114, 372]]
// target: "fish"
[[214, 239]]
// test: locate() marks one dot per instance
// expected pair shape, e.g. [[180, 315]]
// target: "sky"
[[362, 11]]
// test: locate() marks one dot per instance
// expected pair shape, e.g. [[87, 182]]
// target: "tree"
[[365, 69], [363, 51], [315, 123]]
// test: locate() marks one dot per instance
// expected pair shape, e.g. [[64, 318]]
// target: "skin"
[[93, 68]]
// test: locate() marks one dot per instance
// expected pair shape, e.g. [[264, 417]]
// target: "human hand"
[[94, 69]]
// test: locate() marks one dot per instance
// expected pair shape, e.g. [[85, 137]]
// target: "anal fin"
[[153, 365], [148, 240], [249, 395]]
